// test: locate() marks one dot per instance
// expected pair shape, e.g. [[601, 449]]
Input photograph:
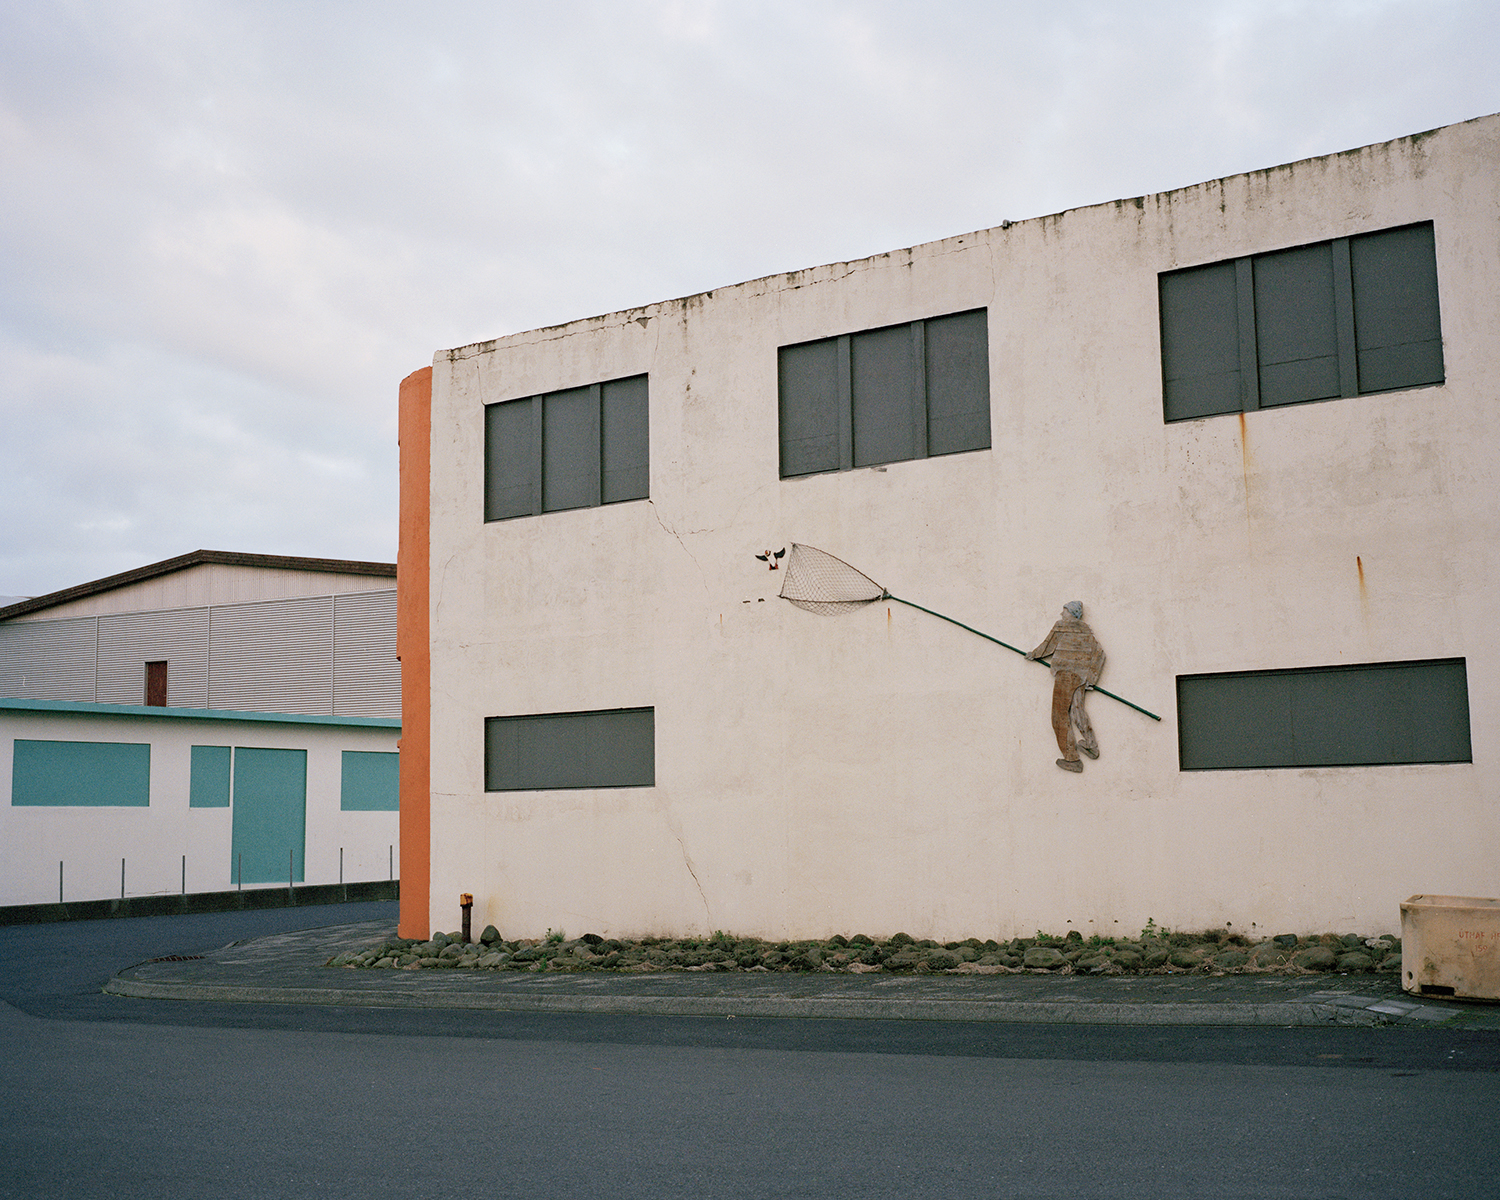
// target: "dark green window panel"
[[512, 480], [1372, 714], [1340, 318], [808, 378], [885, 395], [1296, 332], [607, 748], [577, 448], [80, 774], [209, 777], [1398, 335], [958, 382], [624, 449], [270, 815], [370, 781], [885, 415], [1200, 342]]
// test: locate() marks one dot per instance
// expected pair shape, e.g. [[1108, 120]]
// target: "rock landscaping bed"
[[1156, 951]]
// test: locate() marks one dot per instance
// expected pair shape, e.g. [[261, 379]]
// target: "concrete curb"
[[288, 969], [829, 1008]]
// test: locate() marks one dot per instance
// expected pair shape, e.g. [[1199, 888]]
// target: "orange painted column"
[[414, 650]]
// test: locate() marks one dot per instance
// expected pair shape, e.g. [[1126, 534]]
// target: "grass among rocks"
[[1156, 951]]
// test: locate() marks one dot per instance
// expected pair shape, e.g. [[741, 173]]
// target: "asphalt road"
[[105, 1096]]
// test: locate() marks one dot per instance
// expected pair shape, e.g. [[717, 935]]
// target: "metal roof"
[[229, 558]]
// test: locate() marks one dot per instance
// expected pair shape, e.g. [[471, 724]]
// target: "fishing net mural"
[[818, 582]]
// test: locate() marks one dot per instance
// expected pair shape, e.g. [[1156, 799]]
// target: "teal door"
[[270, 815]]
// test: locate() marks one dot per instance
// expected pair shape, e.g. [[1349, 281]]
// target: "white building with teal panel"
[[211, 722]]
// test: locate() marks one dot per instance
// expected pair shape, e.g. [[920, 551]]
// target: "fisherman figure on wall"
[[1076, 658]]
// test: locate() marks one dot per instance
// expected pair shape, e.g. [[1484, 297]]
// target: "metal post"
[[184, 874], [341, 866], [391, 860], [59, 881], [239, 872], [466, 903], [122, 879], [290, 853]]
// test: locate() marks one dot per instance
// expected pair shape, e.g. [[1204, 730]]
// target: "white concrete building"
[[210, 722], [1250, 424]]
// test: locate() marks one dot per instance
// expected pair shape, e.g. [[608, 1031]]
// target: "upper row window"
[[885, 395], [573, 449], [1339, 318]]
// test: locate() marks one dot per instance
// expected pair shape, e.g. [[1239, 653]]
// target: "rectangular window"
[[885, 395], [370, 781], [1340, 318], [208, 785], [604, 749], [577, 448], [86, 774], [1372, 714]]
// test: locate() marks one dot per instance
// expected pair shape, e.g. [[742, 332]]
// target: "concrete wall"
[[883, 770], [90, 841]]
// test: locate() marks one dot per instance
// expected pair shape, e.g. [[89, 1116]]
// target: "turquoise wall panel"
[[270, 815], [370, 782], [209, 783], [91, 774]]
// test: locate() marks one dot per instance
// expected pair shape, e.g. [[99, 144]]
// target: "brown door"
[[156, 684]]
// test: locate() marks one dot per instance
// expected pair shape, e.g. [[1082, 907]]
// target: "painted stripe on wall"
[[87, 774]]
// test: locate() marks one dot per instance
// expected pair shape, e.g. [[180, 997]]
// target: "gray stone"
[[1129, 959], [1355, 960], [451, 950], [1268, 954], [1316, 958], [1092, 962], [1186, 959], [1229, 959], [1156, 957], [489, 936], [439, 940], [1043, 957], [942, 960], [902, 960], [1285, 939]]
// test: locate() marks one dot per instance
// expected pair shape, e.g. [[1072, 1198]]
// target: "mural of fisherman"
[[1076, 658]]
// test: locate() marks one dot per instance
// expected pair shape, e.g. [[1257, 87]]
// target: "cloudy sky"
[[228, 230]]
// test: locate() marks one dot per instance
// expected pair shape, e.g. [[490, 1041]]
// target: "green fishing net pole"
[[820, 583]]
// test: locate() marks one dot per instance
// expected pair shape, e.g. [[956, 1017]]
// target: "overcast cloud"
[[227, 231]]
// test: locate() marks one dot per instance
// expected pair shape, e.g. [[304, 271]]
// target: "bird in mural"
[[771, 559]]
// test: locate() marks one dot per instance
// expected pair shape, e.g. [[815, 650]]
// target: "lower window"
[[1371, 714], [606, 748]]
